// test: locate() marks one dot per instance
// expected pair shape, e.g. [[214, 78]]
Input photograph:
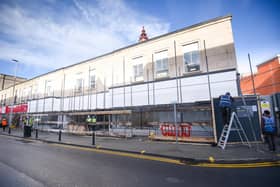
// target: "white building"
[[136, 85]]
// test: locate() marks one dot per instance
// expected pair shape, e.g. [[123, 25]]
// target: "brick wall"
[[267, 79]]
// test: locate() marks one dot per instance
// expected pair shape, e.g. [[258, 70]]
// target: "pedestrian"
[[4, 123], [225, 105], [269, 129]]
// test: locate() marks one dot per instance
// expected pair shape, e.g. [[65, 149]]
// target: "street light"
[[13, 93]]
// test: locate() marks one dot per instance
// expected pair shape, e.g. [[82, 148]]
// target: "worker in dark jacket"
[[225, 105], [269, 129]]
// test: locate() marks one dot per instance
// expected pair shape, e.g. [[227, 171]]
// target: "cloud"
[[53, 34]]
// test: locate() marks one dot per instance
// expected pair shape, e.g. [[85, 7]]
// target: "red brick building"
[[267, 78]]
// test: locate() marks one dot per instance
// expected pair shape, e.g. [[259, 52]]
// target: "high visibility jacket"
[[88, 120], [269, 125], [93, 120], [31, 121], [225, 101], [4, 122]]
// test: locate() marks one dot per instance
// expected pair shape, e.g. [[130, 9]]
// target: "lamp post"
[[175, 119], [13, 93]]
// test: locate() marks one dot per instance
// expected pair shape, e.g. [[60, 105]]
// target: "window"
[[138, 69], [191, 57], [92, 79], [48, 87], [161, 63], [79, 85]]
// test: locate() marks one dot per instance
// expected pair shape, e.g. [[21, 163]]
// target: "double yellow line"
[[172, 161], [118, 153], [244, 165], [141, 155]]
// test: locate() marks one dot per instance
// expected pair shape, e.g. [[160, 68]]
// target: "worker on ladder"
[[269, 129], [225, 105]]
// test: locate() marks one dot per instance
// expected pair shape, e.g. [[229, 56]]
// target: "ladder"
[[234, 125]]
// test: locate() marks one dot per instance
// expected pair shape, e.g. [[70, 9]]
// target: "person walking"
[[4, 123], [269, 129], [225, 104]]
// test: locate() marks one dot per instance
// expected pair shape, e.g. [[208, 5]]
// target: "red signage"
[[17, 108], [184, 130]]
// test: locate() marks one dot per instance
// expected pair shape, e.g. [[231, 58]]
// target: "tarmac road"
[[32, 163]]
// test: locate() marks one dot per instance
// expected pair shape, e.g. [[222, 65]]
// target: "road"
[[33, 163]]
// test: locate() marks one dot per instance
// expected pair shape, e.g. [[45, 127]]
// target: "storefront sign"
[[17, 108]]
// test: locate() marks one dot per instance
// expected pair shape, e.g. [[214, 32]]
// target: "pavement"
[[186, 152]]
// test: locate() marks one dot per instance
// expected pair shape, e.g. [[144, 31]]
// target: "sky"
[[44, 35]]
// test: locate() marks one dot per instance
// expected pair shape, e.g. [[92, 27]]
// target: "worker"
[[24, 120], [30, 122], [225, 105], [4, 123], [88, 120], [269, 129]]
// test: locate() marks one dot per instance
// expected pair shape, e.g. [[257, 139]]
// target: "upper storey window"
[[138, 69], [48, 88], [79, 83], [92, 82], [191, 57], [161, 63]]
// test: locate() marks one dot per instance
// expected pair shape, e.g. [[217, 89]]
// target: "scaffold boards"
[[234, 125]]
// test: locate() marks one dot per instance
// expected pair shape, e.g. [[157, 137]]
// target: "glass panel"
[[92, 81], [195, 57], [191, 57], [158, 65], [140, 69], [79, 85]]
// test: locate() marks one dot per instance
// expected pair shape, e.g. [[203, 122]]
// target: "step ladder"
[[234, 125]]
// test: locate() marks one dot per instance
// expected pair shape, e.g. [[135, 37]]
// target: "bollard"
[[36, 135], [93, 137], [59, 135], [9, 130]]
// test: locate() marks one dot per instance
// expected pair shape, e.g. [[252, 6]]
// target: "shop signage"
[[17, 108]]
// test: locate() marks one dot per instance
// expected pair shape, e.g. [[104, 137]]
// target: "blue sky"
[[44, 35]]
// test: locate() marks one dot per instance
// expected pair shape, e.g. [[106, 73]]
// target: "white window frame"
[[138, 68], [79, 83], [49, 88], [92, 79], [162, 58], [195, 62]]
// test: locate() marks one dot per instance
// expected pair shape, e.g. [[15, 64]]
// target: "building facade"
[[7, 81], [137, 86], [266, 80]]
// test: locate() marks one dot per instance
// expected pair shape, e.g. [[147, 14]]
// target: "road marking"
[[161, 159], [244, 165], [132, 155]]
